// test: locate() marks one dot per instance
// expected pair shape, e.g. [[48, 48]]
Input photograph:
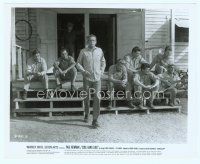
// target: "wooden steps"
[[52, 109], [48, 100], [17, 87]]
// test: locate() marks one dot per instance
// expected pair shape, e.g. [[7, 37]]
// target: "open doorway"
[[104, 27], [71, 33]]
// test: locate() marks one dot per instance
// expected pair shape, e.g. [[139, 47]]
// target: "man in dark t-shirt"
[[64, 70]]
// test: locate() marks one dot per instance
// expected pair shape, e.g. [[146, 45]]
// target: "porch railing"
[[21, 62]]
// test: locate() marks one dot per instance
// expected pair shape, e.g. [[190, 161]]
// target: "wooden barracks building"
[[117, 31]]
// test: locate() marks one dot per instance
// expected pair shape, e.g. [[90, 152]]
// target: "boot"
[[110, 105], [24, 96], [73, 88], [95, 124]]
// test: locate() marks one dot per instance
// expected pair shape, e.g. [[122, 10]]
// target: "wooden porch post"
[[172, 34], [87, 26], [13, 43]]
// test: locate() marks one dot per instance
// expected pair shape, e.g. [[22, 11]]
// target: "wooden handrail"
[[21, 61]]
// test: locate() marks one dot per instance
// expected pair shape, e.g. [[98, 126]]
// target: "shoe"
[[24, 96], [150, 105], [86, 120], [171, 104], [131, 105], [95, 124], [73, 88], [110, 106], [140, 106]]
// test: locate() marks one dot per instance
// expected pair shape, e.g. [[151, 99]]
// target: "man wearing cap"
[[169, 81], [161, 61], [117, 78], [36, 71], [133, 64], [64, 70], [91, 63]]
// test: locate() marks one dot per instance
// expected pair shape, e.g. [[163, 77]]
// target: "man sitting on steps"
[[64, 70], [117, 78], [169, 81], [145, 82], [36, 71]]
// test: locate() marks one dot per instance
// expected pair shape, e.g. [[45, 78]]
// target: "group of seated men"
[[131, 73]]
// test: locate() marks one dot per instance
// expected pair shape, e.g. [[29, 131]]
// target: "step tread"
[[51, 99], [81, 109]]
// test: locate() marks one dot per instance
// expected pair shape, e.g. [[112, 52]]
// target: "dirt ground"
[[157, 127]]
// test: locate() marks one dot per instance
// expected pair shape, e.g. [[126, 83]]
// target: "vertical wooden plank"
[[150, 55], [13, 50], [50, 114], [116, 112], [143, 32], [24, 55], [16, 105], [114, 103], [51, 107], [19, 63], [87, 26], [51, 104], [114, 38], [172, 33], [179, 109]]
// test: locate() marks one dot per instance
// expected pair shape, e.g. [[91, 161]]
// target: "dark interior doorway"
[[72, 40], [104, 27]]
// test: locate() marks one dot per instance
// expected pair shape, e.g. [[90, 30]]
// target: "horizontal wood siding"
[[21, 29], [33, 20], [181, 48], [129, 32], [157, 27], [157, 31]]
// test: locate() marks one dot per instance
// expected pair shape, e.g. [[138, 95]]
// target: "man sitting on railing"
[[117, 78], [64, 70], [36, 71]]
